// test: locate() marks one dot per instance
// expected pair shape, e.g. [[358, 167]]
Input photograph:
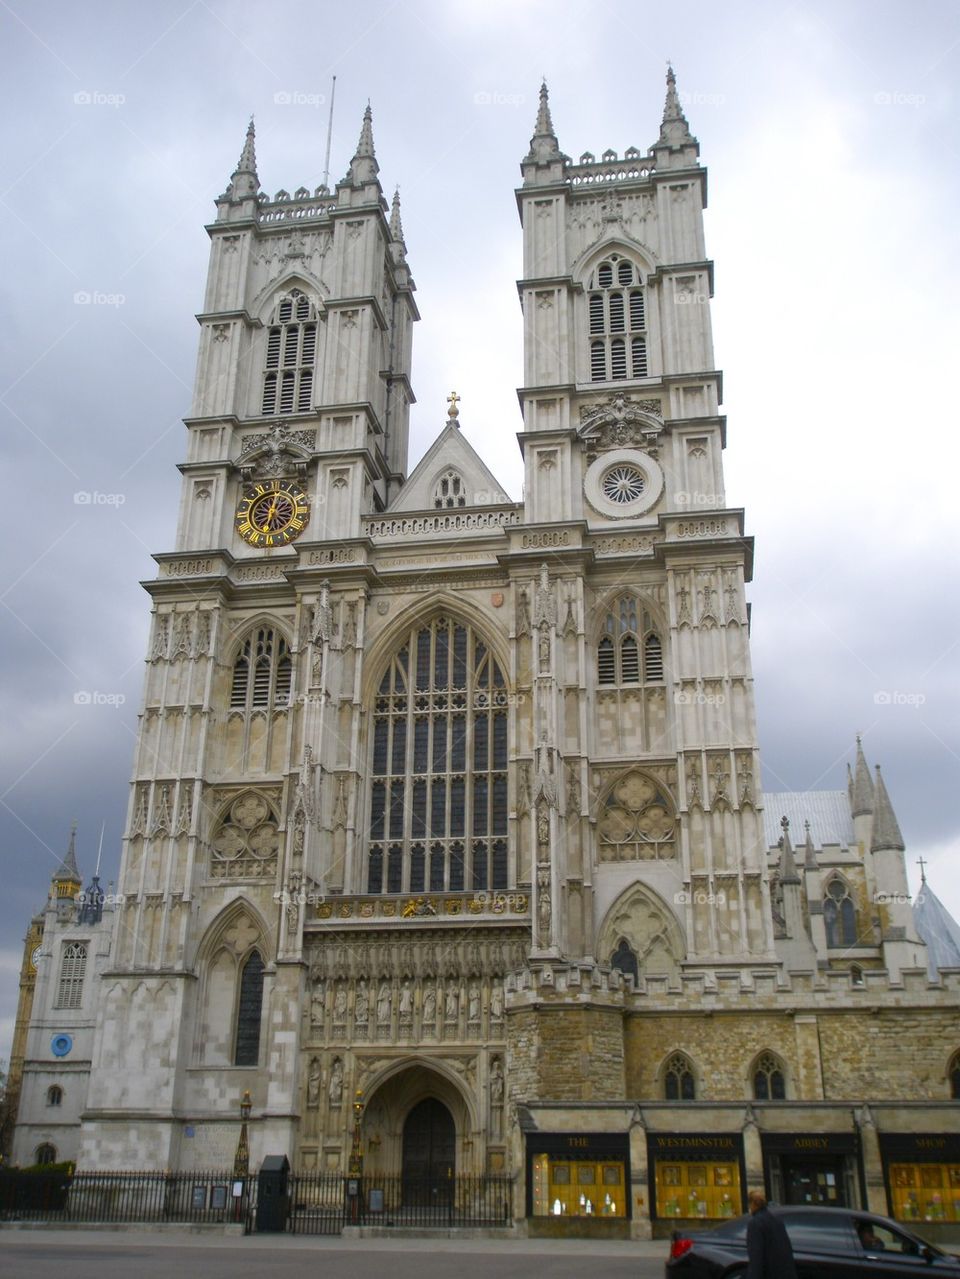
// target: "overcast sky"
[[831, 134]]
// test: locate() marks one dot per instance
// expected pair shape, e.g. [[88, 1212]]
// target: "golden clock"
[[272, 513]]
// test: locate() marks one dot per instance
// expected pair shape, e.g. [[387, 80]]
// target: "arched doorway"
[[429, 1153]]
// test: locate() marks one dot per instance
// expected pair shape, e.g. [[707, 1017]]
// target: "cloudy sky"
[[831, 134]]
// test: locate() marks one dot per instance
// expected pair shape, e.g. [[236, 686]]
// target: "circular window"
[[60, 1045], [623, 484]]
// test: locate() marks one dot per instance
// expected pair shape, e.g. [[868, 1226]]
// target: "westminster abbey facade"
[[453, 801]]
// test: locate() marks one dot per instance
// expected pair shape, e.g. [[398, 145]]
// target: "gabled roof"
[[449, 451], [938, 928], [827, 811]]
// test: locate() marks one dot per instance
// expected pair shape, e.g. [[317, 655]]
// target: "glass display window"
[[692, 1190], [578, 1188], [925, 1191]]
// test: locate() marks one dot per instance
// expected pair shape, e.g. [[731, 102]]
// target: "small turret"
[[544, 162], [363, 166], [788, 864], [676, 147], [396, 228], [902, 947], [809, 852], [861, 796], [797, 948]]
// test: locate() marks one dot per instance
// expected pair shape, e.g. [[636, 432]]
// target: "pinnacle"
[[396, 226], [886, 830], [788, 865], [365, 145], [861, 801], [67, 870], [544, 122], [674, 130], [810, 853], [248, 156]]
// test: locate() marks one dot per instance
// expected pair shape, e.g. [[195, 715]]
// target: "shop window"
[[578, 1188], [678, 1080], [925, 1191], [692, 1190]]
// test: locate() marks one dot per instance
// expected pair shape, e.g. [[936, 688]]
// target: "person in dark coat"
[[769, 1254]]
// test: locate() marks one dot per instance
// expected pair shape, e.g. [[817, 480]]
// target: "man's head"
[[756, 1200]]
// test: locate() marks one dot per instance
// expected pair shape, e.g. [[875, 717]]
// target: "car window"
[[732, 1231], [819, 1232], [877, 1238]]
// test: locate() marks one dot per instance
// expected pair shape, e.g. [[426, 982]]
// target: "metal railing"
[[117, 1197]]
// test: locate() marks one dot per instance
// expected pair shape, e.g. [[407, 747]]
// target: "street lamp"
[[241, 1161], [356, 1152]]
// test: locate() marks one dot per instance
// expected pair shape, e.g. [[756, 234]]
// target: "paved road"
[[49, 1255]]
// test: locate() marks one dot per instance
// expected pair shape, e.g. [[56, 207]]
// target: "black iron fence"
[[116, 1197], [398, 1201], [318, 1202]]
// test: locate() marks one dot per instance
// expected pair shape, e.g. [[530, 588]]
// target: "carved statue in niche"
[[496, 1096], [544, 906], [313, 1082], [384, 1002], [523, 613], [474, 1006], [429, 1002], [317, 1001], [543, 827], [406, 1001], [452, 1006], [340, 1003], [362, 1005], [496, 1000], [335, 1091]]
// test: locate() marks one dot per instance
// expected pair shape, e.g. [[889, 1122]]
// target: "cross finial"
[[453, 412], [922, 864]]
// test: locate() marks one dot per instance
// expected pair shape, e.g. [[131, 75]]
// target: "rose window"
[[623, 484]]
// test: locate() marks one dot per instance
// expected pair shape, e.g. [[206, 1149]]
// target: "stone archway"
[[429, 1153], [417, 1124]]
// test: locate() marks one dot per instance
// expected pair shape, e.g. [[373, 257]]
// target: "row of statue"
[[437, 999]]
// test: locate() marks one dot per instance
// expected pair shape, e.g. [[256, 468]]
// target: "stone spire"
[[788, 865], [810, 853], [861, 801], [886, 831], [66, 878], [396, 226], [363, 166], [673, 126], [244, 181], [544, 161]]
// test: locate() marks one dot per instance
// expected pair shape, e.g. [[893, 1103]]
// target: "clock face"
[[272, 513], [35, 956]]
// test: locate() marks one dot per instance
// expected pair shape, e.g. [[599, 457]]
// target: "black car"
[[828, 1243]]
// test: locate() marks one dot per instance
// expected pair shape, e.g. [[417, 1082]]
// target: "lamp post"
[[356, 1150], [241, 1161]]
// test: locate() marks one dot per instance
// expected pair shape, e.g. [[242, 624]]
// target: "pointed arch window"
[[262, 672], [839, 914], [630, 650], [449, 491], [73, 967], [953, 1074], [678, 1080], [769, 1078], [438, 795], [617, 321], [54, 1095], [625, 958], [46, 1154], [291, 356], [249, 1010]]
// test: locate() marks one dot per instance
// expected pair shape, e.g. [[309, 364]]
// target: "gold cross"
[[453, 411]]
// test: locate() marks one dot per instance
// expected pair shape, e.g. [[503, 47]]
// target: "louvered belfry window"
[[262, 672], [291, 355], [73, 967], [617, 322], [438, 799], [630, 650]]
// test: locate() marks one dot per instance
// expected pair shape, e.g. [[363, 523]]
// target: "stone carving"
[[275, 453], [406, 1002], [318, 996], [429, 1003], [523, 790], [523, 613], [161, 816], [719, 796], [161, 637], [201, 642], [139, 824], [384, 1003], [314, 1079], [574, 795], [451, 1009], [335, 1090], [694, 797], [474, 1005], [247, 842], [496, 1001], [637, 821], [340, 805], [544, 905], [621, 422], [182, 639], [321, 618], [340, 1004], [362, 1003], [544, 601], [185, 812]]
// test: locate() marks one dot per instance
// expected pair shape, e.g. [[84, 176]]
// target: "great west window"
[[438, 800]]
